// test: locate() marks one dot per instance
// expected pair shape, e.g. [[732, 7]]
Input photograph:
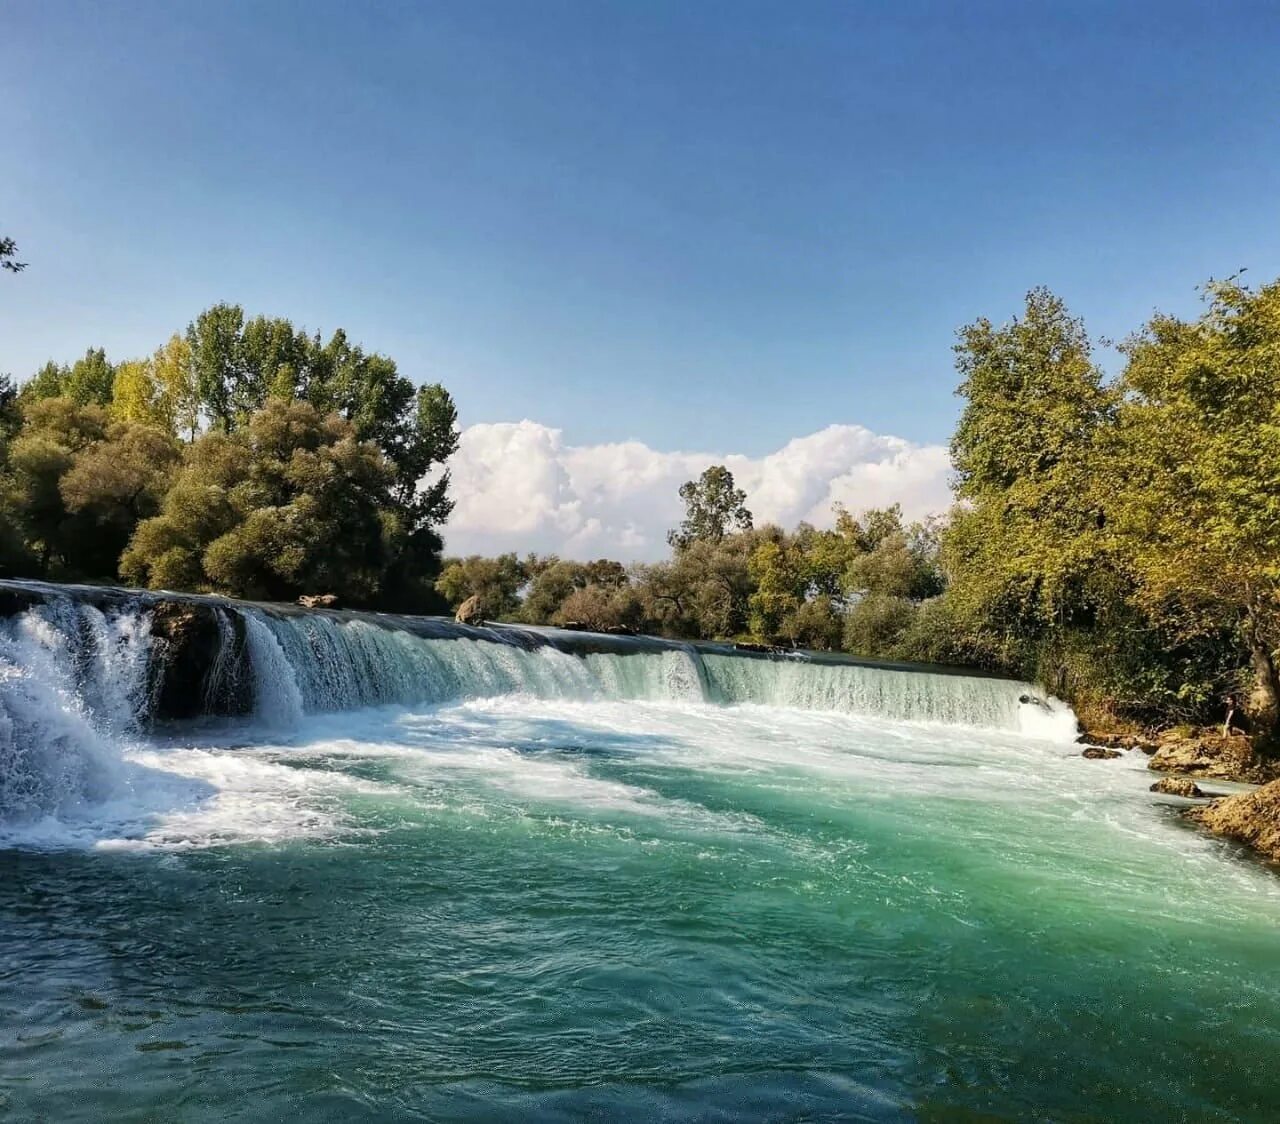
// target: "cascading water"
[[75, 678], [263, 862]]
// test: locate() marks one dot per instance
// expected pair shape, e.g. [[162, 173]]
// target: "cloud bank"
[[519, 487]]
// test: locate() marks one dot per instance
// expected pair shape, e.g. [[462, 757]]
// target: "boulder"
[[1252, 818], [1177, 786], [1097, 753], [1207, 754], [198, 663], [470, 611], [1113, 739], [318, 600]]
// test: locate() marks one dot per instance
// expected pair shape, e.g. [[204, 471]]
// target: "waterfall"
[[73, 679], [80, 670]]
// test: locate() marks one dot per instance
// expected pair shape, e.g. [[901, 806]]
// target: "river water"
[[457, 880]]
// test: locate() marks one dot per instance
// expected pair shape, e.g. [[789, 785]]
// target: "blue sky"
[[697, 225]]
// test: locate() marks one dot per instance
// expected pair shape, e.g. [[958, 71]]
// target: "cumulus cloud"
[[520, 487]]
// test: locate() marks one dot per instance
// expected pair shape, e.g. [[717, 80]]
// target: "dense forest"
[[1116, 539]]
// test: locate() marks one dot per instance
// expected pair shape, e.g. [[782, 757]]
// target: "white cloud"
[[519, 487]]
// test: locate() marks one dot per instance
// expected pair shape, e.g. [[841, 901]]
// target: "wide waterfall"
[[387, 867], [80, 669]]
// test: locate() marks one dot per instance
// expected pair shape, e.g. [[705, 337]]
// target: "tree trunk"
[[1264, 703]]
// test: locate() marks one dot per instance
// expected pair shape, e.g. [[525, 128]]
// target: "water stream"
[[406, 872]]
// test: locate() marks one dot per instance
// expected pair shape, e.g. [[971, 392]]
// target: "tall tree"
[[713, 507], [90, 380], [1197, 498], [217, 356], [177, 386], [1027, 541]]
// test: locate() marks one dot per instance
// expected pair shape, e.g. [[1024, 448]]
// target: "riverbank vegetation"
[[1117, 540], [244, 456], [1114, 538]]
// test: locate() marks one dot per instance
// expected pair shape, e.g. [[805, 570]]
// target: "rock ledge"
[[1253, 818]]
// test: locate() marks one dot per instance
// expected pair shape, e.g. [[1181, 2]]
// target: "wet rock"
[[470, 611], [199, 664], [1177, 786], [318, 600], [1098, 753], [1125, 741], [1207, 754], [1252, 818]]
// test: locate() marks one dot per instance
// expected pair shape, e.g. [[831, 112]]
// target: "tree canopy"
[[713, 507]]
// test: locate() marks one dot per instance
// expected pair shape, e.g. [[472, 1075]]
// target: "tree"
[[777, 571], [48, 382], [1195, 463], [89, 381], [705, 590], [135, 396], [111, 486], [496, 581], [712, 507], [226, 390], [551, 581], [176, 387], [292, 502], [9, 256], [601, 609], [55, 431], [1027, 541]]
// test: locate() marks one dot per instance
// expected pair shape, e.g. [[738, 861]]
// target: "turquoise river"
[[459, 877]]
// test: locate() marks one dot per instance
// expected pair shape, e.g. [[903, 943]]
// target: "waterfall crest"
[[82, 670]]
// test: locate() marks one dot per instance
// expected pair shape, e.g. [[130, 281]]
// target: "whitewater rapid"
[[544, 875], [81, 757]]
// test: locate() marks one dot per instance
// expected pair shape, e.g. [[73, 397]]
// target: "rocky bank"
[[1252, 818]]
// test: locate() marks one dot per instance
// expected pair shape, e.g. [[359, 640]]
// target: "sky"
[[634, 238]]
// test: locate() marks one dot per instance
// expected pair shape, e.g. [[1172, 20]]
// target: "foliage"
[[356, 418], [1197, 461], [713, 506], [9, 256], [88, 381], [292, 502], [1028, 537], [496, 581]]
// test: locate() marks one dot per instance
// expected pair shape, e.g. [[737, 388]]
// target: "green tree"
[[496, 581], [55, 431], [705, 589], [48, 382], [87, 382], [1195, 465], [226, 391], [1027, 542], [551, 581], [111, 486], [713, 507], [292, 502], [90, 380], [777, 571], [876, 625]]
